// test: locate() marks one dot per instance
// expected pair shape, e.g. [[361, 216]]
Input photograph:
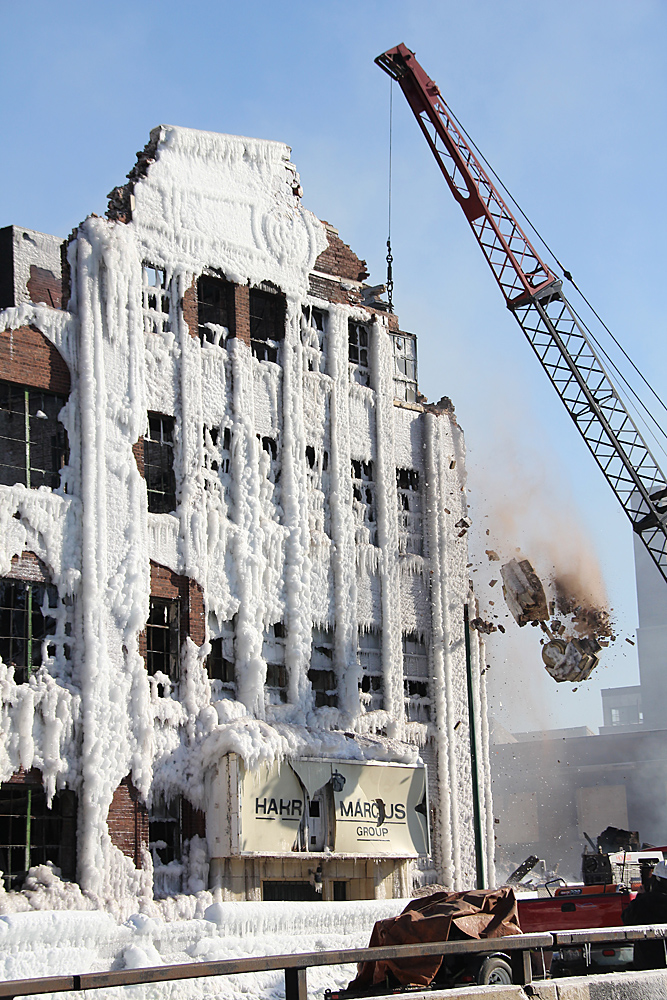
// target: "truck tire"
[[494, 971]]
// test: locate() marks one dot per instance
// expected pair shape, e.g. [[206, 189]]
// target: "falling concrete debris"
[[523, 592], [573, 648], [493, 556], [572, 660]]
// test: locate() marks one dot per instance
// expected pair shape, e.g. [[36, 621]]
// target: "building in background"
[[233, 557]]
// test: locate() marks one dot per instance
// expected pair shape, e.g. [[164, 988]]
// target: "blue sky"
[[568, 103]]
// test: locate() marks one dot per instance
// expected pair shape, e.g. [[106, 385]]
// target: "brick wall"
[[190, 310], [27, 566], [242, 312], [28, 358], [45, 286], [128, 821], [339, 260]]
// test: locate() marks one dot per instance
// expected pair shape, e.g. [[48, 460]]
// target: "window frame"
[[160, 501], [156, 320], [25, 441], [172, 628], [206, 326], [265, 345]]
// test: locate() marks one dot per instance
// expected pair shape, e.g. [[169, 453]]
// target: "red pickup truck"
[[573, 907]]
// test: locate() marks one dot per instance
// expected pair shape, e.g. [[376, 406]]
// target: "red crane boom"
[[534, 295]]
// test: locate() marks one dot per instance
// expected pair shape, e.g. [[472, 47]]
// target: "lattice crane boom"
[[534, 294]]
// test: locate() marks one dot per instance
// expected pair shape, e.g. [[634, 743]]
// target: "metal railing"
[[517, 947]]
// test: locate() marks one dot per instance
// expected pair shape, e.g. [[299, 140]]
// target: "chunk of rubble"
[[482, 626], [524, 593], [492, 554], [571, 660]]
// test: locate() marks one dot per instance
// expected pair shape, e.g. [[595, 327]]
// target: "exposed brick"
[[44, 286], [138, 452], [190, 310], [28, 566], [28, 358], [339, 260], [21, 777], [128, 821], [242, 312], [196, 614]]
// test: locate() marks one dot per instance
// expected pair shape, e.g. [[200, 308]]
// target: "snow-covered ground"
[[49, 942]]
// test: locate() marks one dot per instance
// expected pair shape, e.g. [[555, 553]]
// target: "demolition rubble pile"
[[575, 630]]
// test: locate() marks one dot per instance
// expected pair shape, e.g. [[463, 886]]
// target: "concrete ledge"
[[610, 986]]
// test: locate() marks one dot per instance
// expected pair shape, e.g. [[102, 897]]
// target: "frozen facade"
[[232, 558]]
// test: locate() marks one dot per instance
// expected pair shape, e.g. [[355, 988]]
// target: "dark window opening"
[[310, 456], [156, 299], [31, 834], [270, 447], [371, 682], [415, 678], [220, 662], [410, 530], [25, 624], [313, 338], [215, 310], [267, 323], [363, 501], [33, 442], [273, 651], [322, 675], [340, 892], [164, 829], [314, 807], [163, 638], [358, 347], [297, 891], [218, 460], [159, 464]]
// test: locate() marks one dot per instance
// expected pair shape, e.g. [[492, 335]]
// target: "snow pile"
[[43, 944]]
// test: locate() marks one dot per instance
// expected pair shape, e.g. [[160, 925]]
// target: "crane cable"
[[569, 277], [390, 259]]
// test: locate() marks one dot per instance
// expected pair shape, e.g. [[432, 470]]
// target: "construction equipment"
[[534, 294]]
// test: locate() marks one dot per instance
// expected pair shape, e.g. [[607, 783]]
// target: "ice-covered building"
[[232, 555]]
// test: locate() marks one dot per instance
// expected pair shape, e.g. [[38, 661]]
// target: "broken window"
[[369, 657], [267, 322], [322, 675], [33, 442], [269, 468], [363, 502], [159, 464], [220, 662], [156, 299], [317, 477], [215, 310], [415, 678], [26, 623], [218, 460], [358, 352], [405, 367], [273, 651], [164, 829], [313, 334], [163, 638], [410, 529], [31, 834]]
